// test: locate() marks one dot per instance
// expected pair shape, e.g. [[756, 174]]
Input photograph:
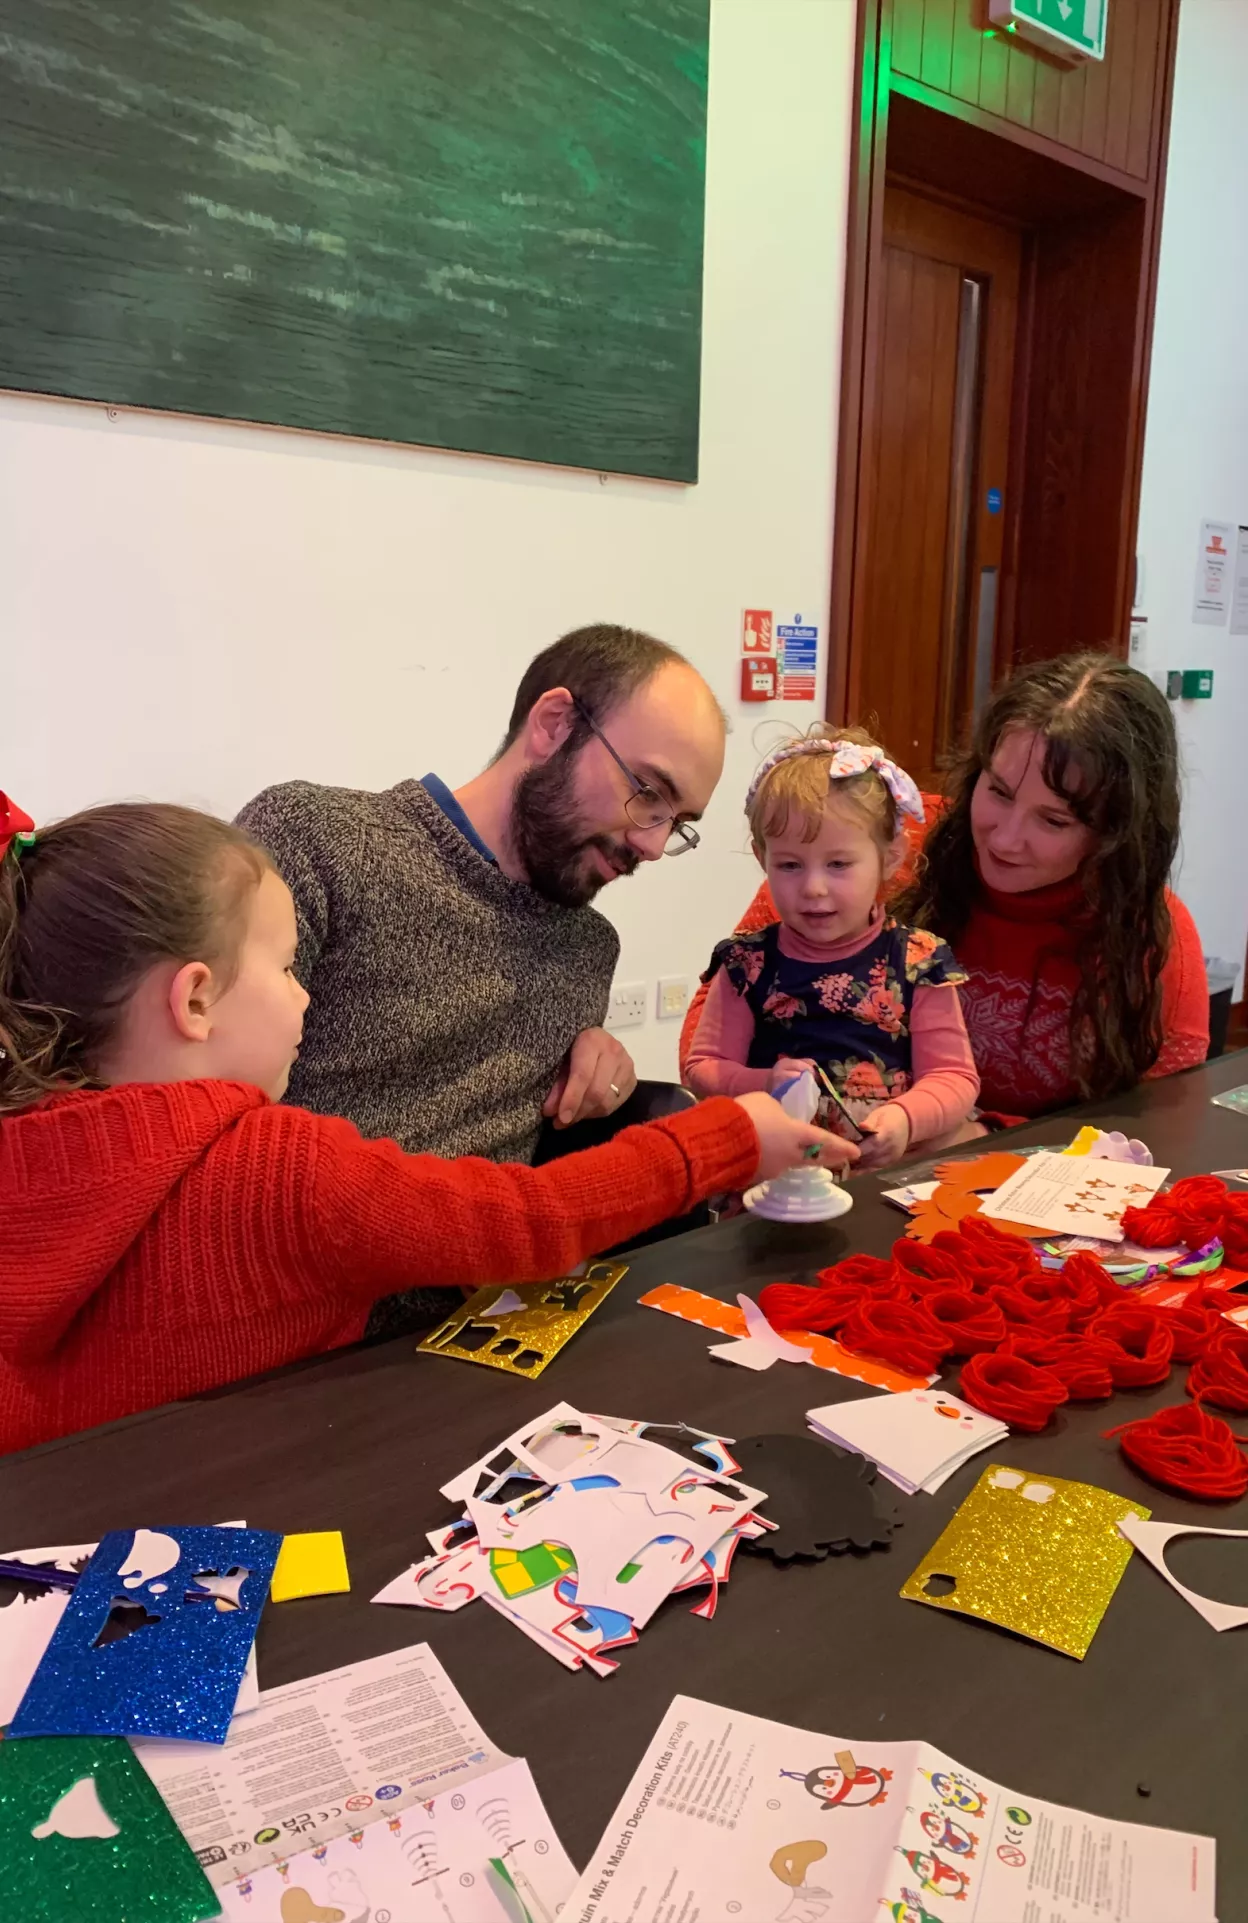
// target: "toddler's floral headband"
[[15, 826], [846, 758]]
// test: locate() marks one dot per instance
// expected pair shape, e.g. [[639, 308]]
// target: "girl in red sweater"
[[165, 1227]]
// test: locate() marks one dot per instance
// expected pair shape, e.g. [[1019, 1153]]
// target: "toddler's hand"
[[787, 1068], [887, 1129], [782, 1142]]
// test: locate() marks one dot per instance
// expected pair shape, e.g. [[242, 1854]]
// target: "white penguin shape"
[[79, 1812]]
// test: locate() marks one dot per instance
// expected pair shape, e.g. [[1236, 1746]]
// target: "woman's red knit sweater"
[[159, 1240]]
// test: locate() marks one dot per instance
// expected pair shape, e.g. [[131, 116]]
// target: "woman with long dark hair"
[[1047, 871]]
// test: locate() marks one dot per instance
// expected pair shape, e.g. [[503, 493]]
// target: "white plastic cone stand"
[[807, 1194], [803, 1195]]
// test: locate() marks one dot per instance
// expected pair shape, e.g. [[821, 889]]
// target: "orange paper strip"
[[725, 1318]]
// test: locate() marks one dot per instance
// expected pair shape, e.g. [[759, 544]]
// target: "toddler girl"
[[837, 984], [164, 1226]]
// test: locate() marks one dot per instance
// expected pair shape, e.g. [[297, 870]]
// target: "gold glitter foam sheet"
[[1031, 1553], [521, 1329]]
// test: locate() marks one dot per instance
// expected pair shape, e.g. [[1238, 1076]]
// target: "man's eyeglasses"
[[644, 808]]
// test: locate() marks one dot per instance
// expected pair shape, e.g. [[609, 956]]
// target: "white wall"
[[191, 611], [1196, 449]]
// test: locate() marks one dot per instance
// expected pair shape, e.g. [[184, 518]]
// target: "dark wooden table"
[[361, 1442]]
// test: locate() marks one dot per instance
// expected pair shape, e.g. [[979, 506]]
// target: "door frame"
[[874, 89], [987, 248]]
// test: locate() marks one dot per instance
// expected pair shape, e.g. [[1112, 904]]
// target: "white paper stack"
[[916, 1439]]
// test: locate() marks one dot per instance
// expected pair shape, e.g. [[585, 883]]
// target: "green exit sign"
[[1072, 29]]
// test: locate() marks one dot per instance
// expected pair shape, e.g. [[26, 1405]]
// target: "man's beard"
[[550, 839]]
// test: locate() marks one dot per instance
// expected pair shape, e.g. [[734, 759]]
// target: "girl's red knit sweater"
[[159, 1240]]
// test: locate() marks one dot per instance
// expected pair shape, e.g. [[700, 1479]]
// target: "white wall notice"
[[1213, 574], [1239, 584]]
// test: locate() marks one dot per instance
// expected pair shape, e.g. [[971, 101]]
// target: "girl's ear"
[[892, 861], [190, 1001]]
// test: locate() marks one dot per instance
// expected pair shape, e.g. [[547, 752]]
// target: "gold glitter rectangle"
[[522, 1339], [1044, 1567]]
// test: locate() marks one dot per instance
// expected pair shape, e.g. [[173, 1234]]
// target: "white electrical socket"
[[627, 1006], [673, 997]]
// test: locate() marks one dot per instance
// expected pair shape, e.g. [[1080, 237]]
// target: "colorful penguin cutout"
[[832, 1788], [910, 1909], [936, 1877], [955, 1792], [944, 1834], [154, 1638]]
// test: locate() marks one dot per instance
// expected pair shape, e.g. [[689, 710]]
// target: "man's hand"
[[596, 1077]]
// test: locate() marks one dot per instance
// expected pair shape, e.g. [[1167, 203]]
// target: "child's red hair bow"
[[14, 821]]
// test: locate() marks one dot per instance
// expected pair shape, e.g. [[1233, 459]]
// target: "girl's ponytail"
[[86, 909], [28, 1034]]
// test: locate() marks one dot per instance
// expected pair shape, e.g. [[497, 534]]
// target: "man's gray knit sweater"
[[444, 995]]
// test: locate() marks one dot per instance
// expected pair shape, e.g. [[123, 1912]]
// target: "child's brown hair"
[[801, 789], [86, 909]]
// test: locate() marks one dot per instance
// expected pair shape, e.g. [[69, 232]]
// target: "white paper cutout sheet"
[[1152, 1539]]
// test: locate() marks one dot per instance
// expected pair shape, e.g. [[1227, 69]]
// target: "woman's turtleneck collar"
[[1063, 901]]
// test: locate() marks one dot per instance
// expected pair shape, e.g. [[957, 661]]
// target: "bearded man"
[[459, 976]]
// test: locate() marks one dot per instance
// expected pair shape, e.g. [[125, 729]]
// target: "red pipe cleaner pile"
[[1030, 1338]]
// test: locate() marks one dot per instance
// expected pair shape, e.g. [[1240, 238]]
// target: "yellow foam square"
[[310, 1565]]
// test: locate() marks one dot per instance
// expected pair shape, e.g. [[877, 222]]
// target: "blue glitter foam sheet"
[[197, 1594]]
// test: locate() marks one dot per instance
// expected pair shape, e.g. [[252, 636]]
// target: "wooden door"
[[936, 438]]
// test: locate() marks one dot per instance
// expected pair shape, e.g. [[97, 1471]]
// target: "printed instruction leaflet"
[[732, 1816], [485, 1852], [319, 1759]]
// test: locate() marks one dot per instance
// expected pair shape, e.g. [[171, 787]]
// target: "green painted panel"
[[464, 223]]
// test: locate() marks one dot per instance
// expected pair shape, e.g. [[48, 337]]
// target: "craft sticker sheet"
[[707, 1312], [155, 1637], [1059, 1194], [1034, 1554], [733, 1816], [486, 1853], [84, 1835], [521, 1329], [578, 1527]]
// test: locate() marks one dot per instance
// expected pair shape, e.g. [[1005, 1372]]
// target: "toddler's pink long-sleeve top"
[[944, 1082]]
